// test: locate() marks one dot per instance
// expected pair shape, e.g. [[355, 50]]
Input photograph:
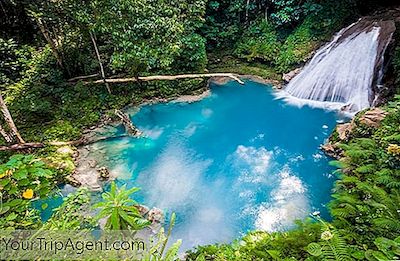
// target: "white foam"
[[297, 159], [299, 103], [258, 137]]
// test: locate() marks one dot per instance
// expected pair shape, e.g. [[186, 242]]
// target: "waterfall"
[[343, 73]]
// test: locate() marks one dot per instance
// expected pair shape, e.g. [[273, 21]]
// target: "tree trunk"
[[50, 41], [247, 11], [5, 135], [9, 120], [103, 75], [83, 77]]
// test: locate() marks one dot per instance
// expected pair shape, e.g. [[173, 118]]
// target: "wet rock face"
[[371, 118]]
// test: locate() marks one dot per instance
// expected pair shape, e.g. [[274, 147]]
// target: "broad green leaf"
[[4, 209], [314, 249], [20, 174]]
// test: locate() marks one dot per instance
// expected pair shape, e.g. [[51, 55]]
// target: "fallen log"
[[83, 77], [126, 121], [168, 78], [38, 145], [22, 146], [65, 143]]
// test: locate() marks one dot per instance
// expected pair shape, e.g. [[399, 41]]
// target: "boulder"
[[344, 130], [287, 77], [155, 215], [104, 174], [143, 210], [71, 180], [373, 117], [331, 150]]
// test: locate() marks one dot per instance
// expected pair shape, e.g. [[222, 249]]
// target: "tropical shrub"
[[73, 213], [331, 246], [13, 60], [387, 250], [258, 245], [120, 210], [22, 179], [193, 57]]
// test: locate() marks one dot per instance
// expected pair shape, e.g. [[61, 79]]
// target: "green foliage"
[[331, 246], [133, 34], [193, 57], [158, 250], [297, 47], [62, 130], [13, 61], [22, 179], [366, 198], [222, 26], [290, 11], [223, 62], [24, 172], [148, 37], [70, 215], [387, 250], [268, 40], [260, 42], [120, 210], [259, 245]]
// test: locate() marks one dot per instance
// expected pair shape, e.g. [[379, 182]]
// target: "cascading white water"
[[341, 74]]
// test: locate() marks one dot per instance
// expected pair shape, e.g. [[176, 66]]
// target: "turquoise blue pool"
[[235, 161]]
